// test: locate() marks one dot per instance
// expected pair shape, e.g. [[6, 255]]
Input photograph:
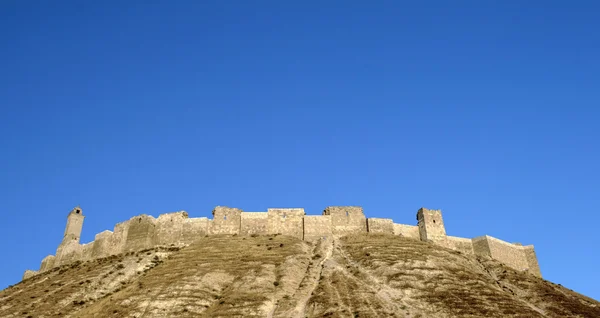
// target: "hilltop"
[[359, 275]]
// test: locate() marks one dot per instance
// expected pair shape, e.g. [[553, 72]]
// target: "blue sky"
[[488, 111]]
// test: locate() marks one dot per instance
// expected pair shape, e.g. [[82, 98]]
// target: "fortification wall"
[[286, 222], [409, 231], [347, 219], [194, 228], [101, 244], [226, 220], [532, 261], [68, 252], [29, 273], [463, 245], [254, 223], [317, 227], [378, 225], [141, 233], [144, 231], [514, 256], [47, 263], [169, 228]]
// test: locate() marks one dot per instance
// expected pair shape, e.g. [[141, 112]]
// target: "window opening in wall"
[[284, 215], [347, 214], [225, 217], [433, 221]]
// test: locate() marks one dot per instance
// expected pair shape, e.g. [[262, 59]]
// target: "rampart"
[[177, 229]]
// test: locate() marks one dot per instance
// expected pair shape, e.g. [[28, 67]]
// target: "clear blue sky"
[[488, 111]]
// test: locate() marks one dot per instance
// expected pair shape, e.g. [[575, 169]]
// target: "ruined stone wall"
[[226, 220], [144, 231], [254, 223], [141, 233], [378, 225], [347, 219], [409, 231], [532, 261], [47, 263], [286, 222], [317, 227], [460, 244], [102, 244], [193, 229], [169, 228], [512, 255], [68, 252], [29, 273]]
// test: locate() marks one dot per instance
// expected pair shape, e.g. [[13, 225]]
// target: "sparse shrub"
[[269, 248], [119, 266], [270, 238], [253, 235], [281, 245], [316, 256], [276, 283]]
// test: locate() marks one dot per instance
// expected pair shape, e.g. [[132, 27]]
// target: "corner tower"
[[431, 225], [74, 225]]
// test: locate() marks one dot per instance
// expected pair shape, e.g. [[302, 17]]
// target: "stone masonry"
[[177, 229]]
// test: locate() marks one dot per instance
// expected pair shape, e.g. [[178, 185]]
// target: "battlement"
[[178, 229]]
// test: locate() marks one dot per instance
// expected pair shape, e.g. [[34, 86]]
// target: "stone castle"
[[144, 231]]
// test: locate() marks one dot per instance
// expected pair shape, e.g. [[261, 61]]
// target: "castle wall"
[[286, 222], [67, 252], [144, 231], [47, 263], [86, 251], [141, 233], [408, 231], [317, 227], [378, 225], [169, 228], [481, 246], [347, 219], [460, 244], [102, 244], [29, 273], [226, 220], [254, 223], [532, 261], [512, 255], [194, 228]]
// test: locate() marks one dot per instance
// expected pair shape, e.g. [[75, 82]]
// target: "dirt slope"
[[279, 276]]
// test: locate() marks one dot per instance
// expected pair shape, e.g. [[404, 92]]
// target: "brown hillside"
[[280, 276]]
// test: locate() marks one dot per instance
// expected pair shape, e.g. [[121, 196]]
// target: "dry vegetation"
[[279, 276]]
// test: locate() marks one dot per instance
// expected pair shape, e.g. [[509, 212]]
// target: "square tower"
[[74, 225], [226, 220], [346, 219], [431, 225]]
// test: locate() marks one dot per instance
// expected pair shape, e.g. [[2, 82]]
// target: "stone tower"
[[431, 225], [74, 225]]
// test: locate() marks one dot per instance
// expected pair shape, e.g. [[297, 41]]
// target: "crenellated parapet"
[[177, 229]]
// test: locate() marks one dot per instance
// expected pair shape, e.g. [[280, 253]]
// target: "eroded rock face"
[[283, 276]]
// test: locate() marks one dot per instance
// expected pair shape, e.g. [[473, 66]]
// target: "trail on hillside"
[[295, 305]]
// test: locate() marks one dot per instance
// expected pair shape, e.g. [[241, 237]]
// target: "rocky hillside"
[[279, 276]]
